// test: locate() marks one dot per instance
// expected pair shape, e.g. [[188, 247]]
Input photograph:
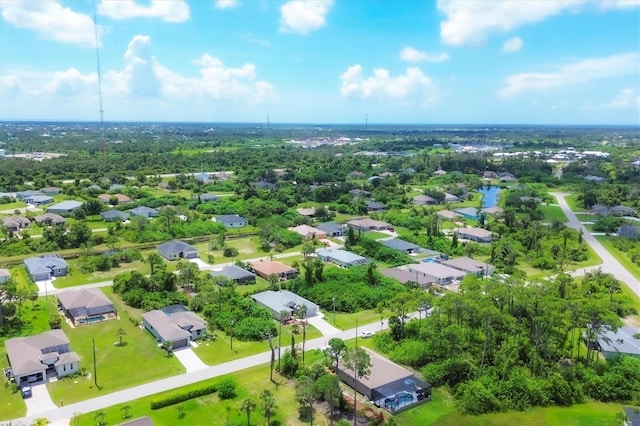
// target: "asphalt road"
[[609, 264]]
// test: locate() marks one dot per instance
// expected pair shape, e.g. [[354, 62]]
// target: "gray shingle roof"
[[25, 353], [233, 272], [66, 205], [173, 247], [85, 302], [171, 326], [398, 244], [622, 341]]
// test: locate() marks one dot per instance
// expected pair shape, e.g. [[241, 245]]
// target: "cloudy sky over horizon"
[[323, 61]]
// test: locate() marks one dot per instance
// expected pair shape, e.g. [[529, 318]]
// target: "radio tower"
[[95, 29]]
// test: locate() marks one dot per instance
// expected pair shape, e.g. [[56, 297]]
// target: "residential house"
[[116, 187], [596, 179], [23, 195], [450, 198], [283, 304], [202, 177], [38, 200], [174, 250], [51, 190], [342, 258], [368, 224], [475, 234], [624, 341], [49, 219], [447, 214], [599, 210], [231, 220], [121, 198], [86, 306], [308, 232], [65, 207], [468, 265], [533, 200], [424, 200], [92, 188], [34, 359], [631, 416], [506, 177], [629, 231], [144, 211], [622, 211], [264, 268], [355, 174], [436, 273], [375, 206], [235, 273], [360, 193], [5, 275], [388, 385], [439, 172], [401, 245], [493, 211], [15, 223], [488, 174], [263, 184], [404, 276], [470, 213], [174, 324], [45, 266], [307, 211], [205, 198], [114, 215], [332, 229]]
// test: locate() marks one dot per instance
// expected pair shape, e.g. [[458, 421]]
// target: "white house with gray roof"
[[36, 358], [65, 207], [15, 223], [401, 245], [86, 306], [469, 265], [174, 324], [231, 220], [144, 211], [624, 341], [286, 302], [435, 273], [174, 250], [50, 219], [45, 266], [332, 229], [342, 258], [114, 215]]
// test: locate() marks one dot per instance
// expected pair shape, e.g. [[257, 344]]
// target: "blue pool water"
[[490, 196]]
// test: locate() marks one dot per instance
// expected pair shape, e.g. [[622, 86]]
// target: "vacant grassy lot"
[[348, 321], [553, 214]]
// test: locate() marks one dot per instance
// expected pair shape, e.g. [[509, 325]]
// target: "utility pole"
[[95, 370]]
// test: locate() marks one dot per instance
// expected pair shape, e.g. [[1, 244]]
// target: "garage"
[[180, 343]]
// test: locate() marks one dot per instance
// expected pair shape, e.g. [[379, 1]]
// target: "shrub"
[[226, 388], [178, 397]]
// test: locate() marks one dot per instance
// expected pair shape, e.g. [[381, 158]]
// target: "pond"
[[490, 196]]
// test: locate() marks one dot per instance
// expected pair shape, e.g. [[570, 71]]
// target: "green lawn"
[[442, 411], [138, 361], [348, 321], [620, 256], [553, 214], [374, 235], [219, 350], [210, 410]]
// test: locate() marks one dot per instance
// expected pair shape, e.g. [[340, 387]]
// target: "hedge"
[[178, 397]]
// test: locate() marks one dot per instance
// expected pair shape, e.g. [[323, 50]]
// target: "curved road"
[[609, 264]]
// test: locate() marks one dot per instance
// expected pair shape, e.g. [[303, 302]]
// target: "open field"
[[553, 214]]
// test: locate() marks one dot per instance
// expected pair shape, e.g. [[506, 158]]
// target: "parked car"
[[25, 390], [366, 334]]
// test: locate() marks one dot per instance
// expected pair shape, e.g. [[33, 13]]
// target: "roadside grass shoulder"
[[347, 321], [210, 410], [622, 257]]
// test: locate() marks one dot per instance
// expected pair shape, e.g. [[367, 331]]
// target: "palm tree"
[[248, 406], [126, 411], [121, 333], [154, 260], [267, 404], [99, 417], [301, 313]]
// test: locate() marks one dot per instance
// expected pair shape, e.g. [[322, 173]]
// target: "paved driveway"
[[323, 326], [189, 359], [40, 401]]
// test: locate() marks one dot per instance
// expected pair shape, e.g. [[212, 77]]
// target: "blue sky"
[[323, 61]]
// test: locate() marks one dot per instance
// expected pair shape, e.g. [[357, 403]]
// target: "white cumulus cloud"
[[627, 98], [169, 11], [409, 54], [226, 4], [304, 16], [412, 85], [512, 45], [570, 75], [51, 21]]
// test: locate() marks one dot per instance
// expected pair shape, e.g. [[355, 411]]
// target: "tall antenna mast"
[[95, 29]]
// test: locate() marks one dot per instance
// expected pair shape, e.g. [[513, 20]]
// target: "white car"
[[366, 334]]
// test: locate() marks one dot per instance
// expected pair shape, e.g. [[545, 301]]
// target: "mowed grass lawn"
[[553, 214], [210, 410], [345, 321], [138, 361], [442, 411], [217, 351]]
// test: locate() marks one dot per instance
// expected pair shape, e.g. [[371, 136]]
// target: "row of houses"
[[439, 271]]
